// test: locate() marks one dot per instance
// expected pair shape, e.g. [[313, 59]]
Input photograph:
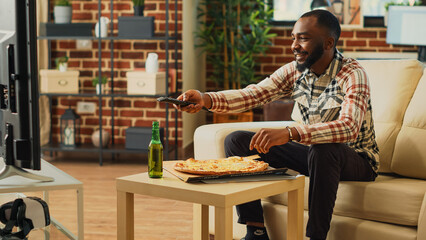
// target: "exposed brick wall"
[[354, 40], [131, 54], [128, 55]]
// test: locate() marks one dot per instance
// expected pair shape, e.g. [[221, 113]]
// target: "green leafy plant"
[[60, 60], [234, 34], [395, 3], [95, 80], [62, 3], [138, 2]]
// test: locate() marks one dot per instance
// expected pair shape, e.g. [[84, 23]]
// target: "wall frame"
[[349, 12]]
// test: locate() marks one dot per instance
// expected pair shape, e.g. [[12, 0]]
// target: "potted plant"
[[234, 34], [61, 63], [138, 7], [62, 11], [97, 84]]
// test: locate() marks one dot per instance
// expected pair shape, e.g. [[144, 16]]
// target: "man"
[[336, 141]]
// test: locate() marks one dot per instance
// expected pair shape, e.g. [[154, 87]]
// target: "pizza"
[[230, 165]]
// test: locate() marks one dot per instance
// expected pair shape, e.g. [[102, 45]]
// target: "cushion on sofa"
[[388, 199], [410, 150], [392, 85]]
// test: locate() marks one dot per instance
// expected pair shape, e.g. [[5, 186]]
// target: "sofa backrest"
[[409, 158], [392, 85]]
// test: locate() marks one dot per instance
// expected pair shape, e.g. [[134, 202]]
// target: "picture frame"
[[349, 12]]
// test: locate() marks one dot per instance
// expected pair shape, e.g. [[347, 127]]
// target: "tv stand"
[[10, 170]]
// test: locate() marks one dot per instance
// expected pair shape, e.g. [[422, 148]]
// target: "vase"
[[151, 65], [98, 88], [103, 25], [385, 19], [62, 67], [138, 10], [63, 14], [96, 138]]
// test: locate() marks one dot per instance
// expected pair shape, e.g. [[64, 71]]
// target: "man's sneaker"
[[256, 233]]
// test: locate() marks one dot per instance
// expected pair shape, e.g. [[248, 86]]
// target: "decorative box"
[[140, 82], [66, 29], [140, 137], [54, 81], [135, 27]]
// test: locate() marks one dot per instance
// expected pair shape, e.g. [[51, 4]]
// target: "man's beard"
[[311, 59]]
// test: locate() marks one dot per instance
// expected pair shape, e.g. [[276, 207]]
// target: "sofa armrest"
[[421, 227], [208, 139]]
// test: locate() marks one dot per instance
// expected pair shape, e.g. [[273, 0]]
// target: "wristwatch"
[[290, 134]]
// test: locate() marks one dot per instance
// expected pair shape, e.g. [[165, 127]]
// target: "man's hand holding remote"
[[200, 99]]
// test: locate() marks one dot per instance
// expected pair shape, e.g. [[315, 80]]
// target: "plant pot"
[[63, 14], [62, 67], [138, 10], [98, 88], [136, 27], [105, 138]]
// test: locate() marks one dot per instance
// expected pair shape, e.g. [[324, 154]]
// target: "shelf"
[[113, 36], [117, 148], [104, 38], [117, 94]]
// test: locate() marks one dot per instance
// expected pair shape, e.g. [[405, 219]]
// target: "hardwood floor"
[[155, 218]]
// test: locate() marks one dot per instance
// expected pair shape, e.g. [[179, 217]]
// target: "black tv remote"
[[176, 101]]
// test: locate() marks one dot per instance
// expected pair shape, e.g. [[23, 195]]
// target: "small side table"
[[62, 181], [222, 196]]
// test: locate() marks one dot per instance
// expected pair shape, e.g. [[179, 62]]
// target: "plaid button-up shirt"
[[335, 107]]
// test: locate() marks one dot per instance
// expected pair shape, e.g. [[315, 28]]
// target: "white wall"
[[193, 68]]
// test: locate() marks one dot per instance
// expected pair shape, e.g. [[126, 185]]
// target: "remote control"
[[176, 101]]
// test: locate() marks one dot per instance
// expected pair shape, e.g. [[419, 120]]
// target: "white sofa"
[[394, 206]]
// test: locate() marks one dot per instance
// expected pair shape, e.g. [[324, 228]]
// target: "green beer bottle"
[[155, 157]]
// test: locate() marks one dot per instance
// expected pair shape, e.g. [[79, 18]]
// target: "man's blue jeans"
[[325, 164]]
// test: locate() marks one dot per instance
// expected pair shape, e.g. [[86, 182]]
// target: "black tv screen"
[[19, 120]]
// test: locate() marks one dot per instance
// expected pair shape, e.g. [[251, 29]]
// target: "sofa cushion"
[[410, 152], [388, 199], [392, 85]]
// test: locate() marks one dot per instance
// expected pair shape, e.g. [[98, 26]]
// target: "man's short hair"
[[327, 20]]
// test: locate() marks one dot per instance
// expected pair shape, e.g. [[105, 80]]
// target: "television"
[[19, 116]]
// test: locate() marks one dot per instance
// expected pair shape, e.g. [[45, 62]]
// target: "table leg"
[[80, 214], [46, 199], [295, 214], [200, 222], [125, 216], [223, 223]]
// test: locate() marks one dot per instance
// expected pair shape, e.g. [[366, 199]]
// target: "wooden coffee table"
[[222, 196]]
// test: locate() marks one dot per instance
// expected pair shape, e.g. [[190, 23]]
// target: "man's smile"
[[300, 56]]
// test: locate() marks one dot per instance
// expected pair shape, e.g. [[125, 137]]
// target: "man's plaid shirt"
[[335, 107]]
